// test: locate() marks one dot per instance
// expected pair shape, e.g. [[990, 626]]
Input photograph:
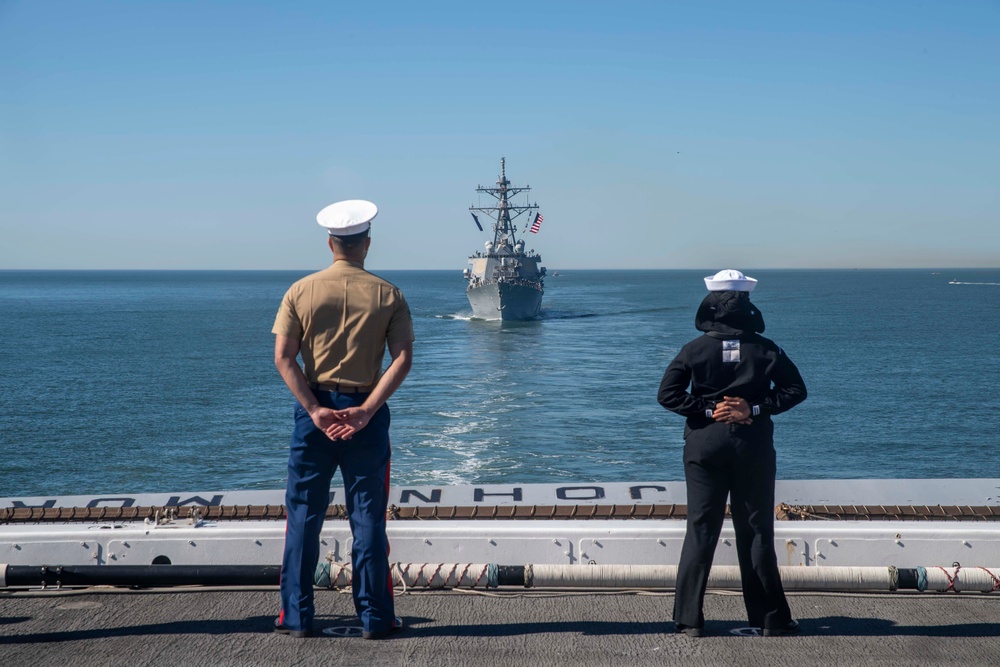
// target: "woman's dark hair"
[[729, 312]]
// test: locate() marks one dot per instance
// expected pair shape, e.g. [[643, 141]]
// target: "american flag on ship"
[[537, 224]]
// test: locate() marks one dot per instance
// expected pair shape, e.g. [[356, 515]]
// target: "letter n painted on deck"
[[404, 496], [175, 501]]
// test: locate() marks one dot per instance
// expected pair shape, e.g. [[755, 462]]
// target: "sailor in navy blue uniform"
[[728, 383]]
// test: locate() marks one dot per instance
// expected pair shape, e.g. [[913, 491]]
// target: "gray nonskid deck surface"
[[225, 627]]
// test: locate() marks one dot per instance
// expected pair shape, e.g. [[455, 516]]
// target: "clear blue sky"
[[654, 134]]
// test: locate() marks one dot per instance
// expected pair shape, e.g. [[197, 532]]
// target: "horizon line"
[[548, 275]]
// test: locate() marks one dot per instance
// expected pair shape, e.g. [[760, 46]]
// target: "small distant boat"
[[953, 281]]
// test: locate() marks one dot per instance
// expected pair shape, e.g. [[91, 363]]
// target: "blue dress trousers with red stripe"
[[364, 463]]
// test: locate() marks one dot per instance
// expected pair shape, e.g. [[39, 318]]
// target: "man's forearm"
[[388, 383], [295, 379]]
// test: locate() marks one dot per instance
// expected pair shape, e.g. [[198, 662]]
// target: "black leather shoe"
[[397, 626], [279, 629], [689, 630], [791, 629]]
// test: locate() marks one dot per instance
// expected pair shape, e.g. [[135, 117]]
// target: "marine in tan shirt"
[[341, 320], [344, 317]]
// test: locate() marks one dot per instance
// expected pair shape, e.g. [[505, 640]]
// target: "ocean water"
[[163, 381]]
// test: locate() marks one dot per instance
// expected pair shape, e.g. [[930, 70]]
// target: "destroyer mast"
[[505, 282]]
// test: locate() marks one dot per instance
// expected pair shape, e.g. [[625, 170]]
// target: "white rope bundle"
[[792, 577], [609, 576], [835, 578], [957, 578]]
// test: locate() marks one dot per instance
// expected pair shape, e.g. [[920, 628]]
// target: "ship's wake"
[[457, 316], [548, 314], [570, 315]]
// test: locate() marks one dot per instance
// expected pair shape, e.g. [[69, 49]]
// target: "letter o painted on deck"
[[597, 491]]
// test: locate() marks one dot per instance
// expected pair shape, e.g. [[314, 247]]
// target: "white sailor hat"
[[730, 280], [347, 217]]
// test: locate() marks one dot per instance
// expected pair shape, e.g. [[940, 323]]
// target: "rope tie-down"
[[950, 577]]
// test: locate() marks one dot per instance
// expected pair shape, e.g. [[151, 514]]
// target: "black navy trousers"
[[738, 461]]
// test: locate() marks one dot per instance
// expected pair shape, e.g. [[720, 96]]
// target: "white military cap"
[[730, 280], [347, 217]]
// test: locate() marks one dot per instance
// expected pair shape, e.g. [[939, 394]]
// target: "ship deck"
[[538, 628]]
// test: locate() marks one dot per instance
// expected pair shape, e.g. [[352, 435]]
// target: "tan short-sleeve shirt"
[[344, 317]]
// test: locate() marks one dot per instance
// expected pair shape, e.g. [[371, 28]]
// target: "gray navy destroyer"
[[505, 282]]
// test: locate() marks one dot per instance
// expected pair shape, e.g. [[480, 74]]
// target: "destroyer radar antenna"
[[503, 213]]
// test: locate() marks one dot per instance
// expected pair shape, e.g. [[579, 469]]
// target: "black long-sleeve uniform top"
[[730, 359]]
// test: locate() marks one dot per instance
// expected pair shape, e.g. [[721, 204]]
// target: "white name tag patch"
[[730, 351]]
